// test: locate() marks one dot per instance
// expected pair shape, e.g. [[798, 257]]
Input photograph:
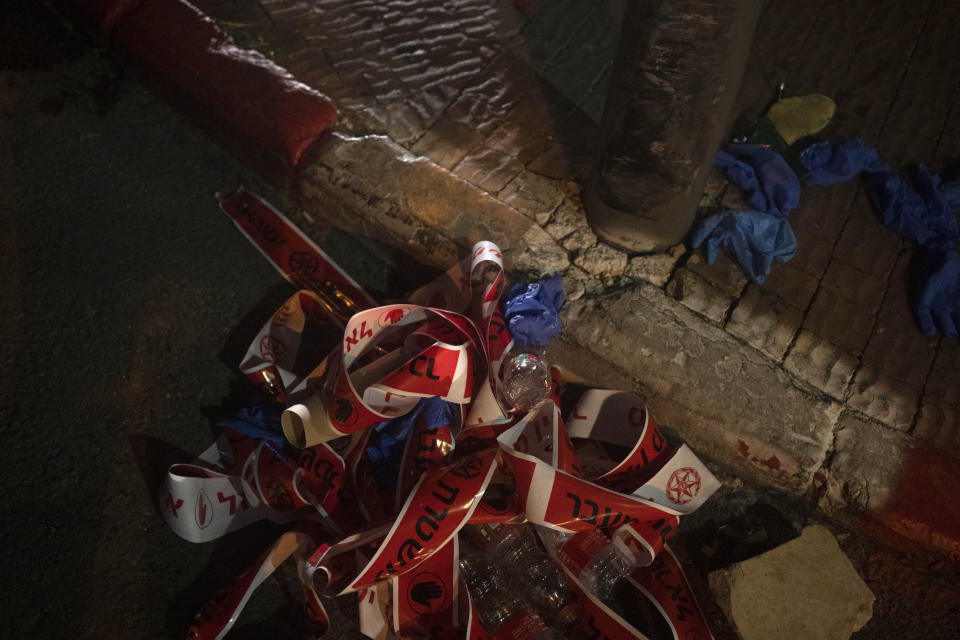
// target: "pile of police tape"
[[374, 511]]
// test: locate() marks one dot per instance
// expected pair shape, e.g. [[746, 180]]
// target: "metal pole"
[[677, 74]]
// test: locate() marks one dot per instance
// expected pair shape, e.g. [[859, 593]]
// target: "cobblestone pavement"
[[806, 368], [476, 86], [838, 316]]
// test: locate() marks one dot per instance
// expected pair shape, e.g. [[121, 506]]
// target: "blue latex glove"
[[259, 421], [914, 209], [950, 192], [389, 438], [766, 179], [531, 310], [832, 162], [919, 208], [936, 303], [755, 238]]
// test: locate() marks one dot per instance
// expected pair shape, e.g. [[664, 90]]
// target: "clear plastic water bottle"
[[501, 612], [526, 379], [510, 617], [532, 572], [485, 578], [595, 560], [511, 545]]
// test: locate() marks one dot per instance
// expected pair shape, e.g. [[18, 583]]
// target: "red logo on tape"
[[391, 316], [303, 263], [683, 485], [204, 512], [271, 349]]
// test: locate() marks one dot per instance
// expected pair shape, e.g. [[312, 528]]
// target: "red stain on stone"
[[924, 507], [773, 462], [743, 448]]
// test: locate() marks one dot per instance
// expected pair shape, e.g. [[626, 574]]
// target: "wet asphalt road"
[[121, 282]]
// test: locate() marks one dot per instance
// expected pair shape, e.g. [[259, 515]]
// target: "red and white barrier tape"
[[401, 558]]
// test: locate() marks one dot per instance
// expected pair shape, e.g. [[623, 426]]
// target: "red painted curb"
[[106, 13], [924, 507], [253, 101]]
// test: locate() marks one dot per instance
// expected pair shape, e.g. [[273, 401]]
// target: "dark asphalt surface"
[[121, 282], [120, 285]]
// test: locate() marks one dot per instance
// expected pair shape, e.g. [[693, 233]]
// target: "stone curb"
[[735, 406], [729, 401], [372, 185]]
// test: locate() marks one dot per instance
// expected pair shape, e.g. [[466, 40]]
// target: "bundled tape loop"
[[218, 616], [390, 357], [422, 376], [252, 480], [440, 504]]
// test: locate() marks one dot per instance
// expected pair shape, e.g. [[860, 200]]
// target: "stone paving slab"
[[821, 363], [796, 282], [939, 415], [897, 352], [699, 295], [766, 322], [777, 43], [804, 588]]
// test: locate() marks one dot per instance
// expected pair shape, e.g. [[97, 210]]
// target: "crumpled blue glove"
[[920, 207], [259, 421], [831, 162], [936, 303], [389, 437], [755, 238], [950, 192], [768, 182], [914, 209], [531, 310]]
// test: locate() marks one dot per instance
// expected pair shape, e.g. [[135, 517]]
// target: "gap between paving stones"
[[851, 391]]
